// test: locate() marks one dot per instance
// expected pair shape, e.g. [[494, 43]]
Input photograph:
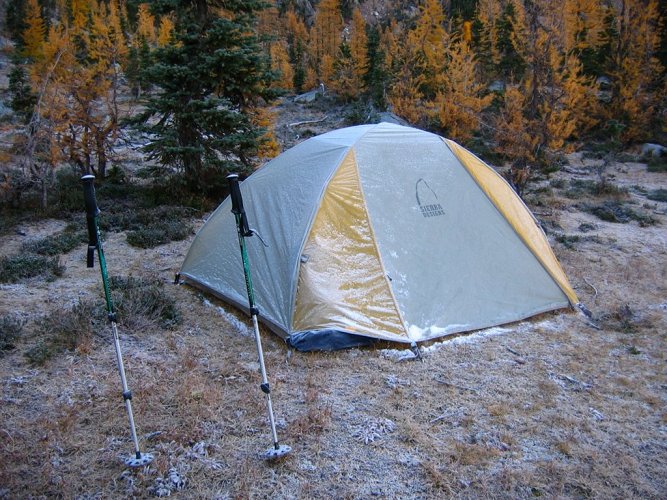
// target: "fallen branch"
[[594, 289], [306, 122], [574, 171], [449, 384], [519, 358], [513, 351], [441, 417], [572, 380]]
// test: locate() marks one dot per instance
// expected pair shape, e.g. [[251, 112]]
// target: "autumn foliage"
[[531, 77]]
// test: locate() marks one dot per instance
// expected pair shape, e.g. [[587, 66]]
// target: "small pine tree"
[[23, 99], [207, 84], [375, 78]]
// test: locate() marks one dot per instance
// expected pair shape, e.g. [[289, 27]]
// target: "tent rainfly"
[[380, 232]]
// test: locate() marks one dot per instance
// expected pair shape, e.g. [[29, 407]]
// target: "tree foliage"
[[532, 77], [207, 82]]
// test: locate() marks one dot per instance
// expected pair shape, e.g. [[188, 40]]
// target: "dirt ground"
[[555, 406]]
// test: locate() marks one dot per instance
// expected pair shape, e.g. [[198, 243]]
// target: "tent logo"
[[427, 200]]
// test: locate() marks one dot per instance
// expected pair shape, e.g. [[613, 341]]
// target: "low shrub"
[[56, 244], [121, 217], [585, 227], [10, 330], [64, 331], [602, 188], [140, 303], [568, 241], [657, 164], [15, 268], [154, 235], [615, 211], [657, 195]]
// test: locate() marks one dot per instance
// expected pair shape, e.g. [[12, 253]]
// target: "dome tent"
[[380, 232]]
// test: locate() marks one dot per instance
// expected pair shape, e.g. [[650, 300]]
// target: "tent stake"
[[95, 243], [278, 450]]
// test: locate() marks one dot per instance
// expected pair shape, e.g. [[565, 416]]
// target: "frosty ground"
[[555, 406]]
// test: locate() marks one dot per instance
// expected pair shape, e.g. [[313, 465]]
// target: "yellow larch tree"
[[636, 71], [146, 25], [80, 12], [404, 93], [358, 48], [35, 33], [426, 45], [488, 13], [559, 99], [266, 119], [296, 35], [583, 24], [78, 82], [513, 132], [418, 64], [325, 34], [281, 64], [165, 31], [460, 97]]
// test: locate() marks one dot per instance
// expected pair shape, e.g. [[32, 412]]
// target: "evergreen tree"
[[375, 78], [15, 20], [23, 99], [208, 83], [511, 63]]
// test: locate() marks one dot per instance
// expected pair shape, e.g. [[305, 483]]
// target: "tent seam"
[[311, 219], [377, 249]]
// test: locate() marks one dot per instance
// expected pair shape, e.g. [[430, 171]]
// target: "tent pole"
[[244, 231], [95, 243]]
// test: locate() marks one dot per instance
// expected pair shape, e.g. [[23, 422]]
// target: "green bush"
[[657, 164], [39, 354], [64, 331], [56, 244], [10, 330], [67, 195], [126, 218], [15, 268], [615, 211], [568, 241], [657, 195], [142, 302], [154, 235], [602, 188]]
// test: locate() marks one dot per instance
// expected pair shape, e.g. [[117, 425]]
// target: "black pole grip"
[[91, 213], [237, 203]]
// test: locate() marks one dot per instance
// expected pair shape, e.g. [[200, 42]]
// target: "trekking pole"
[[244, 231], [95, 243]]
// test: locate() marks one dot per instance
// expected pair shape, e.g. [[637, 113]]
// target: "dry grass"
[[552, 408]]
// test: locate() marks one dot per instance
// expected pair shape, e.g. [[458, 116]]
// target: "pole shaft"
[[95, 243], [265, 380], [242, 230]]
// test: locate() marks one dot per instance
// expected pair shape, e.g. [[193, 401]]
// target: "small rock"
[[653, 150]]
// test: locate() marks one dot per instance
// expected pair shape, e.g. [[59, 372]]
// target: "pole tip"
[[140, 460], [276, 452], [87, 176]]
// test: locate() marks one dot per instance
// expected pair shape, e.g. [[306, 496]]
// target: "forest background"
[[518, 81]]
